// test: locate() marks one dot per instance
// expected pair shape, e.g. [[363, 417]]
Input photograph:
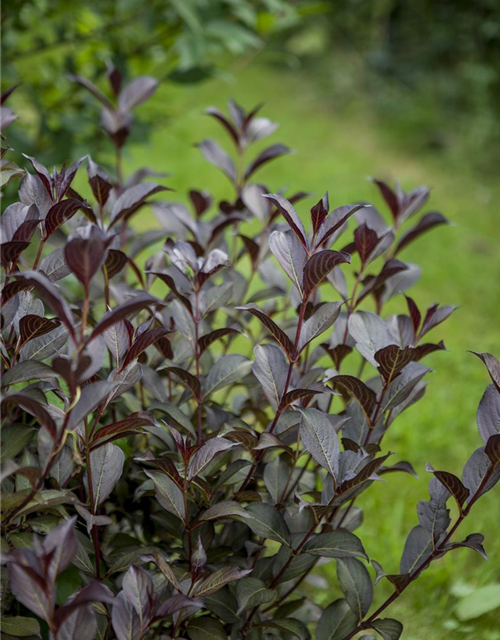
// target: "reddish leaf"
[[492, 365], [215, 113], [338, 353], [34, 408], [100, 188], [279, 335], [85, 256], [50, 294], [290, 215], [389, 196], [252, 248], [319, 266], [123, 311], [299, 394], [115, 262], [32, 326], [170, 282], [426, 223], [454, 486], [275, 151], [10, 251], [492, 448], [205, 341], [392, 360], [335, 221], [122, 428], [319, 213], [365, 241], [415, 314], [60, 213], [366, 472], [424, 349], [141, 343], [363, 394], [189, 380], [434, 316]]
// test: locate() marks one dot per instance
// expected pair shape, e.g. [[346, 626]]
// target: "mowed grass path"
[[461, 266]]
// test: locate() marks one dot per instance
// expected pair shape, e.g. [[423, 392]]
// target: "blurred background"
[[386, 88]]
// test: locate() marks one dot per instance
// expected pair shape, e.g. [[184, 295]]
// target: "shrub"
[[187, 431]]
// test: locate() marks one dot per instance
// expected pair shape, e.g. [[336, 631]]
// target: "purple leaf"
[[279, 335], [106, 466], [319, 266], [122, 311], [213, 153], [133, 199], [60, 213], [426, 223], [137, 92], [266, 156], [291, 216], [392, 360], [51, 295], [490, 362]]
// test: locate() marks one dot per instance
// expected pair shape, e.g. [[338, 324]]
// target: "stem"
[[197, 357], [85, 312], [38, 255], [119, 177], [279, 411], [53, 457], [435, 552]]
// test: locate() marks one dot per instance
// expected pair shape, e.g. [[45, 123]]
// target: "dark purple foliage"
[[163, 424]]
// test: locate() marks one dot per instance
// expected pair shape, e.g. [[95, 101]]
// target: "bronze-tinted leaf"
[[319, 213], [10, 251], [85, 256], [492, 449], [205, 341], [279, 335], [123, 311], [366, 472], [434, 316], [132, 199], [454, 486], [32, 326], [34, 408], [290, 215], [364, 395], [319, 266], [493, 366], [389, 196], [392, 360], [428, 347], [365, 241], [426, 223], [122, 428], [275, 151], [415, 314], [50, 294], [188, 379], [59, 213], [338, 353], [115, 262], [252, 248], [170, 282], [141, 343], [299, 394]]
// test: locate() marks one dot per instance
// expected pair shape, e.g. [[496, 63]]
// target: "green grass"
[[461, 266]]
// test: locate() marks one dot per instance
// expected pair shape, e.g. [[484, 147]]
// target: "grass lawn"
[[461, 266]]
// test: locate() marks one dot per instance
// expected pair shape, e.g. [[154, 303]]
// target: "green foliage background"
[[385, 88]]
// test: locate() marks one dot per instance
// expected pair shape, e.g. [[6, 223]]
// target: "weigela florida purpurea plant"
[[186, 436]]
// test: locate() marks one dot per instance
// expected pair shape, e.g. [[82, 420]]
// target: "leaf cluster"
[[187, 431]]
